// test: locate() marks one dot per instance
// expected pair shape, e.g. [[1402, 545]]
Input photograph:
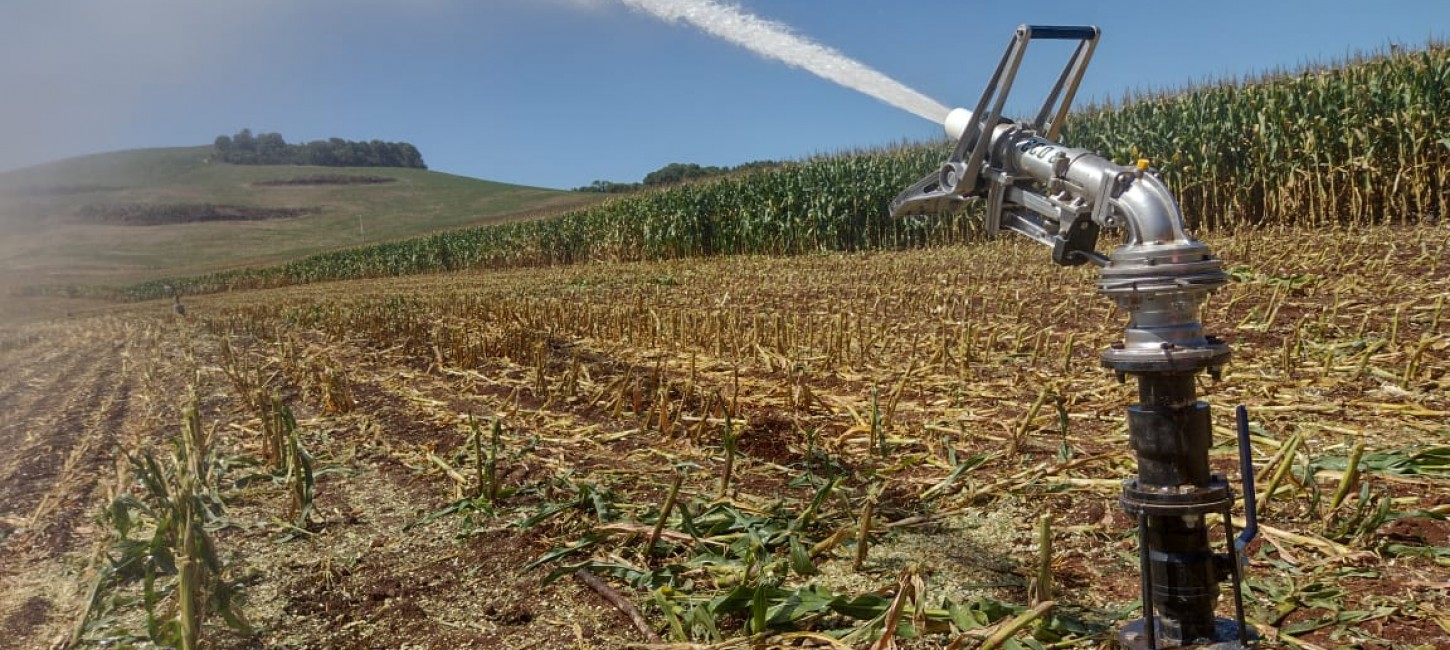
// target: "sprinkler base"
[[1225, 633]]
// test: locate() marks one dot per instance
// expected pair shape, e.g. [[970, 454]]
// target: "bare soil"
[[136, 214], [328, 179]]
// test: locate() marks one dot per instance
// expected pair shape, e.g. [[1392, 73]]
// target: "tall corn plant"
[[1362, 143]]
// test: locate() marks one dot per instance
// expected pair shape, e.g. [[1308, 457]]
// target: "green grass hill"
[[127, 216]]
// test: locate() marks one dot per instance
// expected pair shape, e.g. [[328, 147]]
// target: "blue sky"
[[558, 93]]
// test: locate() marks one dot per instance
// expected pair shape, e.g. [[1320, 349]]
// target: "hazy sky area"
[[558, 93]]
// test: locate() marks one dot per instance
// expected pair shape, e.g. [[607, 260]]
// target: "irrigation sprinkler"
[[1063, 197]]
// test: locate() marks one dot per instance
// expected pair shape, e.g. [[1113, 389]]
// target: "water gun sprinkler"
[[1063, 197]]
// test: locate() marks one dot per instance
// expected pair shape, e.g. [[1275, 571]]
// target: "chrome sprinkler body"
[[1063, 197]]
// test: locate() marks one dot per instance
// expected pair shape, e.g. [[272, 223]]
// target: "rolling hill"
[[127, 216]]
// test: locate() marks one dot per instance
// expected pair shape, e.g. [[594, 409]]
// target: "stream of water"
[[776, 41]]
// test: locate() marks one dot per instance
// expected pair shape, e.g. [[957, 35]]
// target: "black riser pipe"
[[1185, 584], [1171, 432]]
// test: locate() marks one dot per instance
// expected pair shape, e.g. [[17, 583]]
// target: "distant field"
[[49, 238]]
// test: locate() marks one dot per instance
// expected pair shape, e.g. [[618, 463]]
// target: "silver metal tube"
[[1146, 207], [1160, 275], [1153, 216]]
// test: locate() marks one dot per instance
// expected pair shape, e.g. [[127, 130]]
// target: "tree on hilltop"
[[244, 148]]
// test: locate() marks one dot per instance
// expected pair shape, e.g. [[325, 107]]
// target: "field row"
[[818, 449], [653, 418]]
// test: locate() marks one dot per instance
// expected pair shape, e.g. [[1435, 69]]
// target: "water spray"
[[1063, 197], [776, 41]]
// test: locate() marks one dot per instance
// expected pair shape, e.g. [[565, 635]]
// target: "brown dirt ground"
[[76, 391]]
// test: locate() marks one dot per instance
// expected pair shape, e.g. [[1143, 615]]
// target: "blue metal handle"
[[1246, 472], [1060, 32]]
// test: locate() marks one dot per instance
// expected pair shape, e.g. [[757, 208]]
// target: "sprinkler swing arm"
[[1063, 197], [1057, 217]]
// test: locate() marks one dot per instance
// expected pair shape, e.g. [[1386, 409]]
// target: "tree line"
[[674, 174], [244, 148]]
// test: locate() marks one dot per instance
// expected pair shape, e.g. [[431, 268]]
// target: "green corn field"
[[1365, 142]]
